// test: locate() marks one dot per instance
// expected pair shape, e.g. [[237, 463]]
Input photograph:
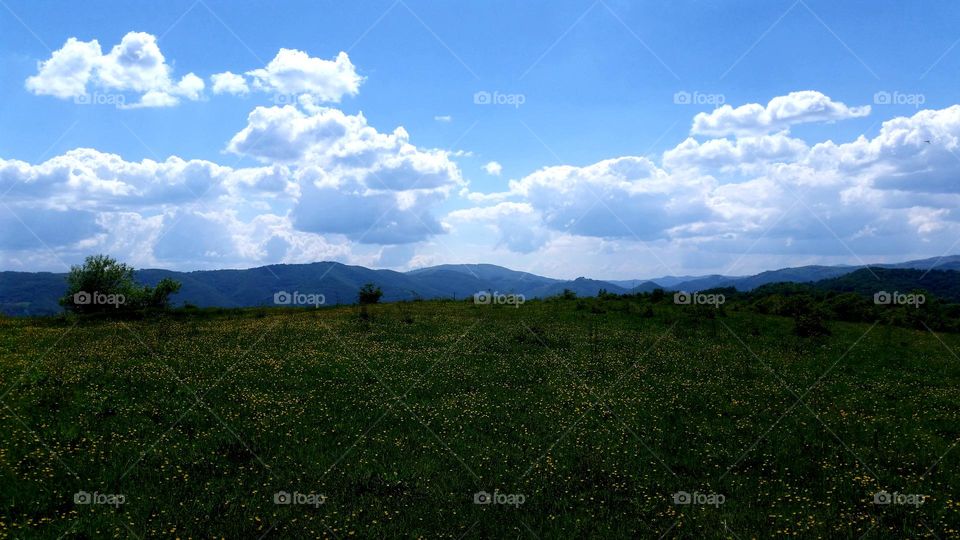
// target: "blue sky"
[[594, 179]]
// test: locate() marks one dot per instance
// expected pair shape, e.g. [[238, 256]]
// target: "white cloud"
[[370, 186], [66, 73], [332, 186], [445, 118], [771, 195], [517, 225], [779, 114], [337, 149], [293, 72], [229, 83], [134, 66], [190, 86], [137, 70], [493, 168]]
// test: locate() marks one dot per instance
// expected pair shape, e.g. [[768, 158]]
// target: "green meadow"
[[595, 418]]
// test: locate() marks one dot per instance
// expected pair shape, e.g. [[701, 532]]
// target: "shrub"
[[808, 317], [102, 284]]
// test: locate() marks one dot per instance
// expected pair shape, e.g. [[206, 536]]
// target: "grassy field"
[[584, 418]]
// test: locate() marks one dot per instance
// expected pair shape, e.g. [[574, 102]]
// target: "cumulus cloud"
[[370, 186], [517, 226], [725, 155], [135, 65], [330, 185], [329, 181], [66, 73], [493, 168], [338, 148], [628, 196], [136, 69], [779, 114], [294, 72], [769, 194], [229, 83]]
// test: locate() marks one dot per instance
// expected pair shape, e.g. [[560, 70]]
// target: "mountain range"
[[37, 293]]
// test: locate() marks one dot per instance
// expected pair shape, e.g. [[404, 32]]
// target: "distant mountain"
[[581, 286], [951, 262], [667, 281], [800, 274], [31, 293], [703, 283], [806, 274], [645, 287], [37, 293], [27, 293], [943, 284], [460, 280]]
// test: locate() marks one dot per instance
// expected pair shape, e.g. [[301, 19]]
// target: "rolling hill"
[[37, 293]]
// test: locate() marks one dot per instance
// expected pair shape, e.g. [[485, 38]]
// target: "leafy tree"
[[159, 297], [103, 284], [99, 278], [370, 294]]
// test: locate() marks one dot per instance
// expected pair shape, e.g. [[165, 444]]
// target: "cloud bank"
[[326, 184]]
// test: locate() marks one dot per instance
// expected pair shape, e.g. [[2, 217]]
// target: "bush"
[[103, 285], [808, 317]]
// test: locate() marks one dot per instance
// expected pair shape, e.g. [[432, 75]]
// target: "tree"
[[370, 294], [102, 284], [159, 296]]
